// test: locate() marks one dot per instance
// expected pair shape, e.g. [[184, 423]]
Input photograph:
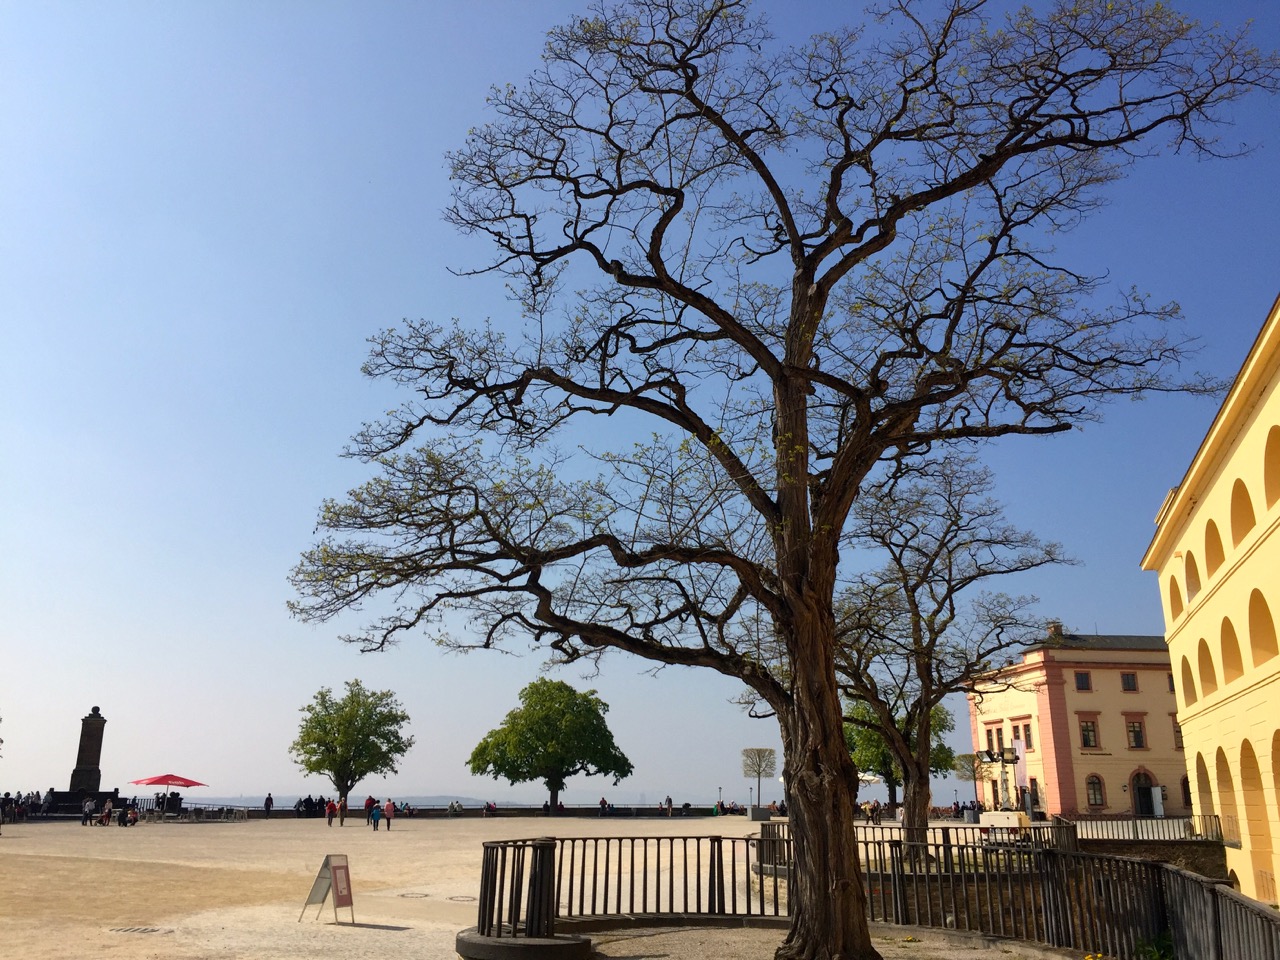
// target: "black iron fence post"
[[1051, 896], [488, 890], [540, 914], [897, 882], [1215, 923], [715, 876]]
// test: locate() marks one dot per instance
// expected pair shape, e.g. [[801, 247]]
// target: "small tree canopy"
[[759, 762], [352, 737], [871, 752], [556, 732], [970, 768]]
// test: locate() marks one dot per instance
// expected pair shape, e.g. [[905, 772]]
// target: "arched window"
[[1232, 664], [1204, 789], [1241, 513], [1175, 599], [1227, 797], [1208, 676], [1262, 629], [1213, 555], [1193, 576], [1271, 467], [1095, 792], [1188, 684], [1275, 760]]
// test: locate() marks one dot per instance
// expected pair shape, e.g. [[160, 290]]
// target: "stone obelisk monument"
[[87, 777]]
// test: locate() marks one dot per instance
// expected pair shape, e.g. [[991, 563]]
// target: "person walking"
[[267, 804], [342, 811], [375, 816], [330, 811], [388, 812], [369, 804]]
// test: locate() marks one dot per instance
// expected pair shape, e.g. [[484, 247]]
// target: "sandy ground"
[[215, 891]]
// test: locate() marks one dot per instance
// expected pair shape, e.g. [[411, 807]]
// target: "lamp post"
[[1003, 757], [750, 803], [1007, 756], [719, 794]]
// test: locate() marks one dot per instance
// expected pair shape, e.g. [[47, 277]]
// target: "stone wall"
[[1205, 857]]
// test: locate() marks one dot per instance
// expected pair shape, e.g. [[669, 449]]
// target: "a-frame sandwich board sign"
[[334, 877]]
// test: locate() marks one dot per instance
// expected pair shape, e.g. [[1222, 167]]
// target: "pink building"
[[1092, 722]]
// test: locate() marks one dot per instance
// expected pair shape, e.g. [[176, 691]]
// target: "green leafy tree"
[[759, 762], [864, 736], [346, 739], [555, 733], [774, 269]]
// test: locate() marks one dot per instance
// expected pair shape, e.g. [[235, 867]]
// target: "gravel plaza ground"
[[215, 891]]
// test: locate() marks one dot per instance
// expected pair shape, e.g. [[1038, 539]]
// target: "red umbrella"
[[168, 780]]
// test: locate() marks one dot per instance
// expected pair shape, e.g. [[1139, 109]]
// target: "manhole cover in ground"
[[139, 930], [415, 896], [464, 899]]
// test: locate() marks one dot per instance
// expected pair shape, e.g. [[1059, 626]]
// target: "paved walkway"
[[214, 891]]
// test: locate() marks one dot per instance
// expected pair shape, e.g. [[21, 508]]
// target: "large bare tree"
[[926, 623], [770, 269]]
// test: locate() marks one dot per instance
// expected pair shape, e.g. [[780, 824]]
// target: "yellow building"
[[1092, 721], [1219, 567]]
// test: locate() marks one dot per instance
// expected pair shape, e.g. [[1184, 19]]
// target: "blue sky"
[[206, 209]]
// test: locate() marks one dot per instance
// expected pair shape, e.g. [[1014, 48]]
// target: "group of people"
[[20, 806], [872, 811], [307, 806], [125, 816], [374, 812]]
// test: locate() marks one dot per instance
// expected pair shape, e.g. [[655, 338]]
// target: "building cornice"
[[1254, 378]]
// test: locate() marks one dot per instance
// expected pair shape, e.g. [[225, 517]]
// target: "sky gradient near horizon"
[[207, 209]]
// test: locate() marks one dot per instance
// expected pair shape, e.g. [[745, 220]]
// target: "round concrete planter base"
[[472, 946]]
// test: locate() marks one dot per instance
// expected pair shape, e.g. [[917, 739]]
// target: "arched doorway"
[[1141, 787]]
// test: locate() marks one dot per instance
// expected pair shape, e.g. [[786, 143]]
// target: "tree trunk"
[[891, 785], [916, 799], [829, 921], [555, 803]]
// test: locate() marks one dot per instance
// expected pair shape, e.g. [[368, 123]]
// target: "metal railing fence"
[[1107, 827], [614, 876], [1088, 902]]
